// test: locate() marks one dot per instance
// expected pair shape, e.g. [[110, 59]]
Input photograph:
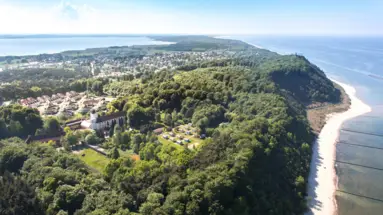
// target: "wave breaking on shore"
[[323, 181]]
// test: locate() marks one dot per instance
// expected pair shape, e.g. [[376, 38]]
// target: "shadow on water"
[[360, 170], [358, 165]]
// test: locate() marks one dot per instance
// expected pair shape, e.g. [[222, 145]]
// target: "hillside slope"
[[303, 80]]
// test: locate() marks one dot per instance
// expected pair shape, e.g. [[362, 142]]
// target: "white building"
[[99, 123]]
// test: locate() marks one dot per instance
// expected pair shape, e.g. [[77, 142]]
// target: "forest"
[[23, 83], [255, 159]]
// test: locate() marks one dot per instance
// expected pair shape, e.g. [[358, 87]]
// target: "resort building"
[[99, 123]]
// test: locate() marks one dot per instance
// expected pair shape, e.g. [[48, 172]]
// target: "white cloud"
[[83, 19], [70, 18], [68, 11]]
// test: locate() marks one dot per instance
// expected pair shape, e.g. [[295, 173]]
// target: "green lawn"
[[165, 141], [94, 159], [129, 154], [162, 116], [193, 140], [126, 153]]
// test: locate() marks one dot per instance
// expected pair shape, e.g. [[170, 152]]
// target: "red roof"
[[158, 130]]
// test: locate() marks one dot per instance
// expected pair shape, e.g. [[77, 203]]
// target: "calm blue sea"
[[32, 46], [358, 62]]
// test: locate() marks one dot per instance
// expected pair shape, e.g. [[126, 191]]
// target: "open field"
[[129, 154], [93, 159], [168, 142], [98, 161]]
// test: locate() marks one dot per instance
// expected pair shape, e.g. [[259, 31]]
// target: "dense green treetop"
[[19, 121]]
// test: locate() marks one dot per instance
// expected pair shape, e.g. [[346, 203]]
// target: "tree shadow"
[[313, 203]]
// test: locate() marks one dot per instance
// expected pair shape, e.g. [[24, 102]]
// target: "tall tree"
[[52, 126], [114, 154], [168, 119]]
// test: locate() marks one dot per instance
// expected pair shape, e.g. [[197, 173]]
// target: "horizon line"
[[15, 35]]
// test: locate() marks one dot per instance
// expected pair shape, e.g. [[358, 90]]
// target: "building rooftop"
[[74, 122], [158, 130], [44, 138], [110, 116]]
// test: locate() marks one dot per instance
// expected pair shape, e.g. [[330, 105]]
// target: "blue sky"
[[224, 17]]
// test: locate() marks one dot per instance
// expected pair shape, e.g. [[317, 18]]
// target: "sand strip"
[[322, 182]]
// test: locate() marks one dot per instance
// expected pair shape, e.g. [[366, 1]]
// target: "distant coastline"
[[29, 45], [44, 36]]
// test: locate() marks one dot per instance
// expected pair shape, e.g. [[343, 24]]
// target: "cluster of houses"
[[93, 103], [156, 62], [28, 101], [42, 99], [65, 103], [107, 65]]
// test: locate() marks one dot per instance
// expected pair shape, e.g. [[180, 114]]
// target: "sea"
[[34, 44], [356, 61]]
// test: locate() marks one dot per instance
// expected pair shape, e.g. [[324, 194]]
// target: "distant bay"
[[17, 45]]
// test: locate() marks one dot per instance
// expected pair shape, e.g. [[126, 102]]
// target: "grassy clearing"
[[98, 161], [168, 142], [94, 159], [129, 154], [194, 141], [162, 116]]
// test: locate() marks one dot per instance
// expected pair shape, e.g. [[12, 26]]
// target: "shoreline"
[[317, 114], [323, 180], [231, 37]]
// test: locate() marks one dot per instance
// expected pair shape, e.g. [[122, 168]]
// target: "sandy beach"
[[322, 182]]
